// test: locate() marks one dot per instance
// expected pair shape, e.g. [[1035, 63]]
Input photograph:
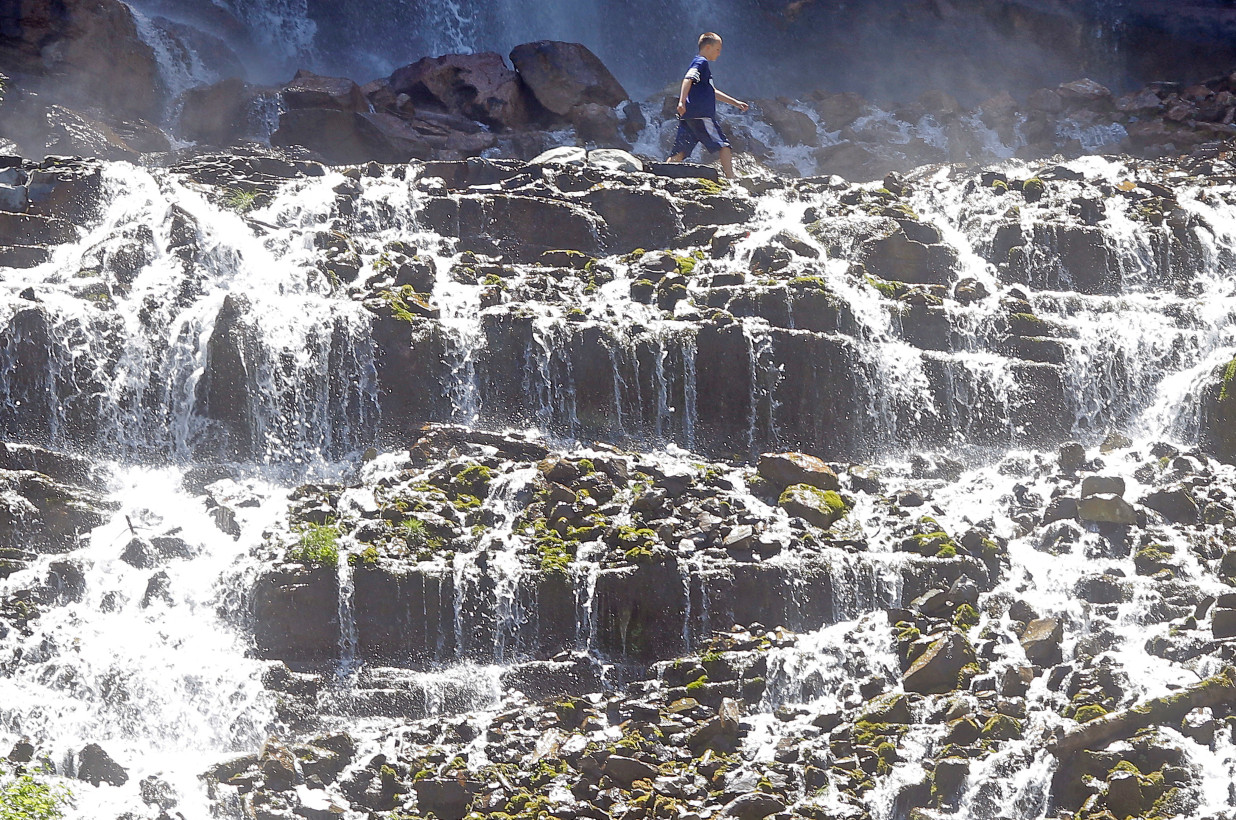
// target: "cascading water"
[[267, 327]]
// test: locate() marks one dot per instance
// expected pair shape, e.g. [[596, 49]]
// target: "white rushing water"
[[147, 663]]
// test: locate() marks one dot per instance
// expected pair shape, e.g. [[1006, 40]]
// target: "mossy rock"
[[1001, 727], [823, 508], [888, 709], [1089, 712]]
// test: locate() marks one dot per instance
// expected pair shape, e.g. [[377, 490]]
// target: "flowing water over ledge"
[[215, 350]]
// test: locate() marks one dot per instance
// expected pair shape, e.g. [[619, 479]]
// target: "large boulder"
[[1041, 641], [1175, 504], [477, 86], [1106, 508], [95, 766], [823, 508], [635, 218], [63, 467], [446, 797], [795, 127], [564, 75], [45, 515], [522, 226], [783, 469], [753, 806]]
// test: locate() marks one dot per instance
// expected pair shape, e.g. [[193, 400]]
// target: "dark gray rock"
[[95, 766], [1041, 641], [563, 76], [753, 806], [939, 668], [626, 770]]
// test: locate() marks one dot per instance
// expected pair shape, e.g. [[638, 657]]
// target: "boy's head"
[[710, 45]]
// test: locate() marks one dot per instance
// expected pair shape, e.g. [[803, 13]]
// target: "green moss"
[[889, 290], [966, 617], [813, 283], [1125, 766], [368, 556], [555, 560], [828, 499], [873, 733], [698, 683], [1089, 712], [907, 635], [417, 535], [569, 711], [638, 555], [931, 544], [466, 503], [709, 187], [1001, 727], [1033, 189], [1151, 559], [406, 304], [473, 479], [317, 545], [1228, 387], [629, 536], [686, 264]]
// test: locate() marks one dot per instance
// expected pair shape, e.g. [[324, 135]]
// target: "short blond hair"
[[708, 38]]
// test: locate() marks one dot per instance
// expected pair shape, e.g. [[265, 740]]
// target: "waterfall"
[[542, 481]]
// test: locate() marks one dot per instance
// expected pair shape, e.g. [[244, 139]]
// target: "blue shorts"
[[694, 131]]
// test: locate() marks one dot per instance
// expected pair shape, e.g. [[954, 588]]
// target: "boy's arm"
[[682, 96], [726, 98]]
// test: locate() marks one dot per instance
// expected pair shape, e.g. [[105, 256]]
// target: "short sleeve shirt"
[[702, 97]]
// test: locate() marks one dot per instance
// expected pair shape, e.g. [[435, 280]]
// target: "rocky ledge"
[[627, 302]]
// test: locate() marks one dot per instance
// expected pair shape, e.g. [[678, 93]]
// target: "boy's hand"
[[682, 108], [742, 106]]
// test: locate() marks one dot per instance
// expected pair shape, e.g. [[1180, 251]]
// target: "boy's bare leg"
[[677, 158], [727, 161]]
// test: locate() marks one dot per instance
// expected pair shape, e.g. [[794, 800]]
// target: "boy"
[[697, 108]]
